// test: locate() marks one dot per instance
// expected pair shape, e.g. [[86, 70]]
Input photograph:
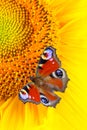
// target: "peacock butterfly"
[[50, 77]]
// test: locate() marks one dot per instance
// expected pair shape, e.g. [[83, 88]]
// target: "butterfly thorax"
[[39, 82]]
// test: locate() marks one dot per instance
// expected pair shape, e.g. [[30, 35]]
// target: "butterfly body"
[[39, 81], [49, 78]]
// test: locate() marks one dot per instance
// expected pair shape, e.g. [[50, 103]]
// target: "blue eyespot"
[[44, 100], [59, 73]]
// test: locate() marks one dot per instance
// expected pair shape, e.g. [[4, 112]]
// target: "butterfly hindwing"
[[48, 98], [29, 93], [57, 80]]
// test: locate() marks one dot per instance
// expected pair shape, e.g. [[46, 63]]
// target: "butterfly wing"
[[49, 68], [48, 98], [57, 80], [48, 62], [29, 93]]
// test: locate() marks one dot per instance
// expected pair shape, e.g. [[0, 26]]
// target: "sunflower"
[[26, 28]]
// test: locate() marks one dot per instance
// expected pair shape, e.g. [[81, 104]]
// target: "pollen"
[[26, 28]]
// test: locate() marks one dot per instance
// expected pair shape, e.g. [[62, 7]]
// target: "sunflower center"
[[15, 27]]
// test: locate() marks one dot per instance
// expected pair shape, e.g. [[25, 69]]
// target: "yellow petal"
[[71, 113]]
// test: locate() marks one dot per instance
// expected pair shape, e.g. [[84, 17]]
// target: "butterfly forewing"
[[30, 93], [48, 62]]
